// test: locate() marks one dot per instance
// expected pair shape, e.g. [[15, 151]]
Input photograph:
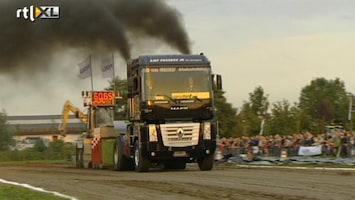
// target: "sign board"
[[103, 98]]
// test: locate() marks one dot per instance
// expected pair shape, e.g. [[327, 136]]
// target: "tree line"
[[322, 102]]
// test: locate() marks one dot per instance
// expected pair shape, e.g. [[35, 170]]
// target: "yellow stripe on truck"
[[190, 95]]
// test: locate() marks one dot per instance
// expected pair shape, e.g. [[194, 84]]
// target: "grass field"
[[9, 192]]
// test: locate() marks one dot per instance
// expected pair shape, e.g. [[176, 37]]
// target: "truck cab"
[[171, 110]]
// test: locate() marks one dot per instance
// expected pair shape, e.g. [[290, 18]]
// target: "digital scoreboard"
[[103, 98]]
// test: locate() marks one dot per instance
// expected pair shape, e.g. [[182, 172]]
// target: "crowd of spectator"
[[337, 143]]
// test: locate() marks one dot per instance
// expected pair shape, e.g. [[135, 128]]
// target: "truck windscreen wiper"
[[196, 98]]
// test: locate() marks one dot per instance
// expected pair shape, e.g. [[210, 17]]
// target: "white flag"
[[107, 68], [85, 68]]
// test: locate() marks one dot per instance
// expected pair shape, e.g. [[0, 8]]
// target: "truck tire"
[[206, 163], [120, 162], [141, 164]]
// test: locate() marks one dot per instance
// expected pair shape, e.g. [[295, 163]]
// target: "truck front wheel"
[[206, 163], [141, 164], [120, 162]]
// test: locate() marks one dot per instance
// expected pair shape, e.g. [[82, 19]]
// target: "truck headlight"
[[153, 136], [207, 131]]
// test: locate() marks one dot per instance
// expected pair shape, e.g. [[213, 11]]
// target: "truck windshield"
[[166, 83], [104, 116]]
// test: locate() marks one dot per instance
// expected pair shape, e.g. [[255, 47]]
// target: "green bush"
[[57, 150]]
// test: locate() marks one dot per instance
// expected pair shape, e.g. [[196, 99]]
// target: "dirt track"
[[224, 182]]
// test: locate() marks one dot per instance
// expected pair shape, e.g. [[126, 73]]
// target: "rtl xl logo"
[[35, 12]]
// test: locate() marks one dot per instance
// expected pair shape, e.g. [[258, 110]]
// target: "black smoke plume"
[[88, 25]]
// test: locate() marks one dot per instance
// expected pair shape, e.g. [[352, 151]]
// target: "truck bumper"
[[155, 152]]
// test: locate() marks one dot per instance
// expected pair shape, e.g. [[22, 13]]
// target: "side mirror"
[[216, 82], [219, 82]]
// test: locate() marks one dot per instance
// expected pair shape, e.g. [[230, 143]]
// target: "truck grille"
[[180, 135]]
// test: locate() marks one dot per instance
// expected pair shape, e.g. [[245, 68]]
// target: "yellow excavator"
[[69, 107]]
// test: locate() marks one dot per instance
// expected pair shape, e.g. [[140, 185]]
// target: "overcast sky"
[[280, 45]]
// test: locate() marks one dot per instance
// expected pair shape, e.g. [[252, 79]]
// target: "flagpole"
[[92, 81], [113, 73]]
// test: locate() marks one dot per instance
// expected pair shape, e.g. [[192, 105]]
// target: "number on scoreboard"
[[103, 98]]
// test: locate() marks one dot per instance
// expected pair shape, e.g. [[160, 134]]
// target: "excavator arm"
[[69, 107]]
